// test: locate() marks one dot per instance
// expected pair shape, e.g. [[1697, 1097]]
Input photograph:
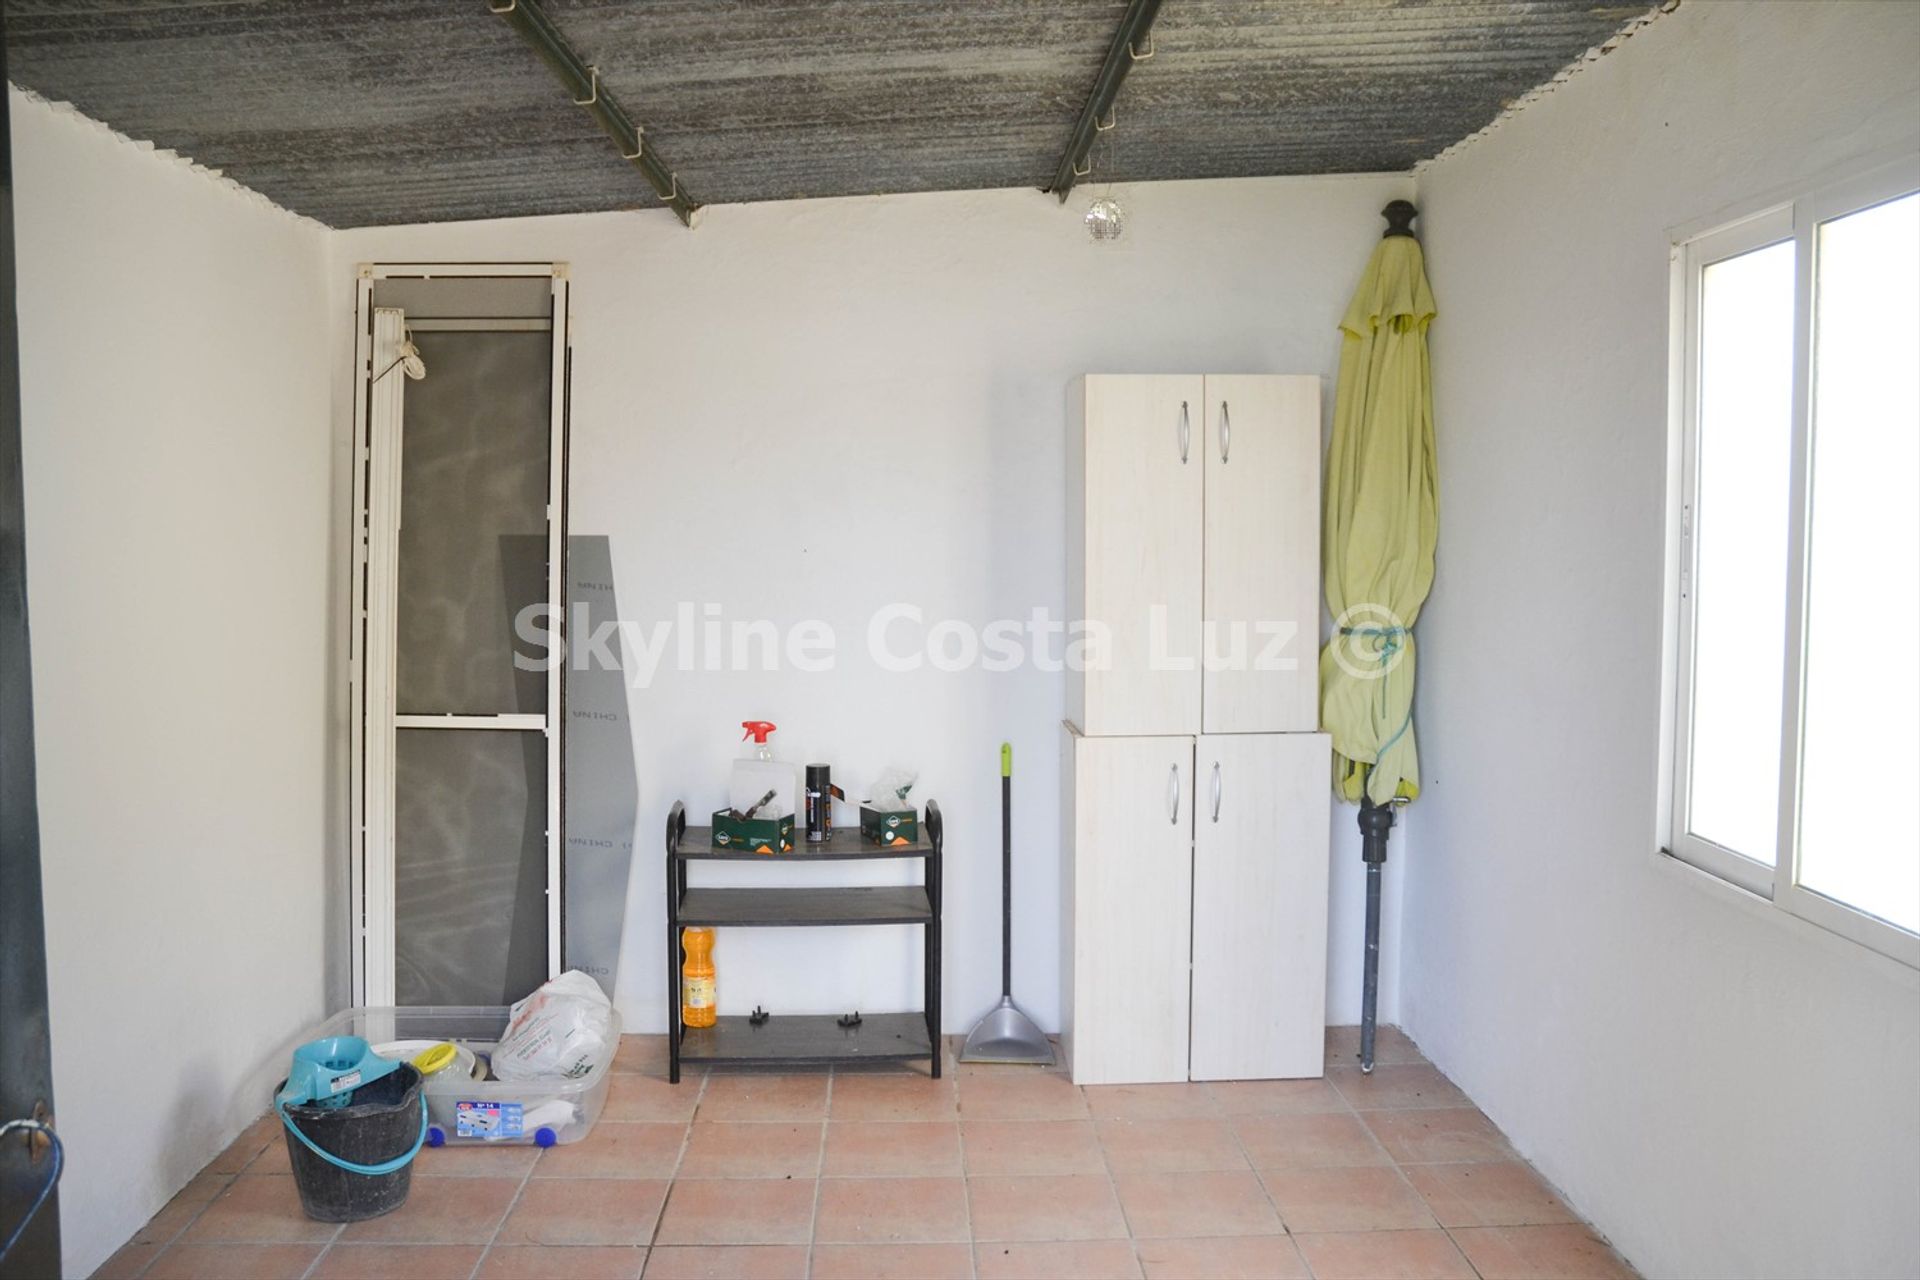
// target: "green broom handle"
[[1006, 869]]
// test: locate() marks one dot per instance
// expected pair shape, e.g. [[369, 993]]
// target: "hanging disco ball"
[[1104, 219]]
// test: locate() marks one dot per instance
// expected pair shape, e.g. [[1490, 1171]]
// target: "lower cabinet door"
[[1260, 859], [1132, 873]]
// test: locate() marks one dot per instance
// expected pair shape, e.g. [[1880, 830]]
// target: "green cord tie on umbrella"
[[1392, 640], [1389, 638], [1399, 733]]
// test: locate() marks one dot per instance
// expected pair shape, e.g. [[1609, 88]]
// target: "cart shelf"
[[781, 907], [844, 845], [810, 1039]]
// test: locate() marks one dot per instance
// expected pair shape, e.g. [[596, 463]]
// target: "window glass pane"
[[473, 523], [469, 865], [1740, 548], [1861, 732]]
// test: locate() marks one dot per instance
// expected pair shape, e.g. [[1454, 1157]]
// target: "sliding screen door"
[[465, 505]]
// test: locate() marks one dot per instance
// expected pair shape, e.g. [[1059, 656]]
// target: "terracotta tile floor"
[[987, 1172]]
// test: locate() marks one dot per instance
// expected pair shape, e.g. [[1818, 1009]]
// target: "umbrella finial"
[[1399, 215]]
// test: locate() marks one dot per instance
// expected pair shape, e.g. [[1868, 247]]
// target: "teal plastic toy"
[[324, 1074]]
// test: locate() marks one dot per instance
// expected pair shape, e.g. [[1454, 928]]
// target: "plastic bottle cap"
[[438, 1058], [757, 730]]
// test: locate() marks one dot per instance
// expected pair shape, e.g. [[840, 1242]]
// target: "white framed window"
[[1796, 726]]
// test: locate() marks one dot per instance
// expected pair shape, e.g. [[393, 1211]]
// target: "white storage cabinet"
[[1197, 792]]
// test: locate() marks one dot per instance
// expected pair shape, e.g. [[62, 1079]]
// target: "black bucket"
[[381, 1123]]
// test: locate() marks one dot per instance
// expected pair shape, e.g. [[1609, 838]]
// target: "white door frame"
[[377, 410]]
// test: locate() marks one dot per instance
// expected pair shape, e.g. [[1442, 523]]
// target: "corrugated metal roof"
[[359, 112]]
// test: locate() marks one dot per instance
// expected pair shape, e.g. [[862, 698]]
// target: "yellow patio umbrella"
[[1382, 514]]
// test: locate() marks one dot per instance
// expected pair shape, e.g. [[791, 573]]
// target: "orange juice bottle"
[[698, 995]]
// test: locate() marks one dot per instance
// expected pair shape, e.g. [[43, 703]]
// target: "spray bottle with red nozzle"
[[758, 773], [759, 730]]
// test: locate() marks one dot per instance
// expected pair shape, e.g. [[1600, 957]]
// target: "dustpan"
[[1006, 1034]]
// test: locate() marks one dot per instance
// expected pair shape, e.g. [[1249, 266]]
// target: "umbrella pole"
[[1376, 821]]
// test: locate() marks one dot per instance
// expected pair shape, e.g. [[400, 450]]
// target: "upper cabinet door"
[[1260, 830], [1134, 544], [1261, 642]]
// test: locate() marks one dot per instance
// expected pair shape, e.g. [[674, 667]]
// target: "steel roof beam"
[[1136, 27], [584, 86]]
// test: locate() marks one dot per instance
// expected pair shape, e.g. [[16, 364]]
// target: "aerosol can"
[[819, 804]]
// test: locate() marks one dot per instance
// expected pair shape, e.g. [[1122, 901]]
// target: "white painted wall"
[[174, 394], [811, 410], [1725, 1092]]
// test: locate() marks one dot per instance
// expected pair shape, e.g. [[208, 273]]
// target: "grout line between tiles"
[[1113, 1183], [1463, 1253], [487, 1248], [966, 1183], [173, 1239], [820, 1170], [325, 1249], [1106, 1162], [673, 1175], [1258, 1178], [180, 1234]]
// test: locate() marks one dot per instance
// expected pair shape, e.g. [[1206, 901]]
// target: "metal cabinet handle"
[[1173, 794], [1185, 433], [1226, 431], [1216, 791]]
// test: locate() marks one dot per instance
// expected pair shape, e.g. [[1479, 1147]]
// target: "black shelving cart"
[[804, 1039]]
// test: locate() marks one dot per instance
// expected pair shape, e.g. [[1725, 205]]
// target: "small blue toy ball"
[[544, 1137], [436, 1136]]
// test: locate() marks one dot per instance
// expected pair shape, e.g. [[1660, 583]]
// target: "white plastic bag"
[[561, 1030], [889, 790]]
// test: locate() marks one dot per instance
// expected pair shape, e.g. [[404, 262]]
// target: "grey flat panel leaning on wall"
[[470, 865], [601, 792]]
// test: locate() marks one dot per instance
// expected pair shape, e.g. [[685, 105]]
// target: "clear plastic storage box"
[[461, 1109]]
